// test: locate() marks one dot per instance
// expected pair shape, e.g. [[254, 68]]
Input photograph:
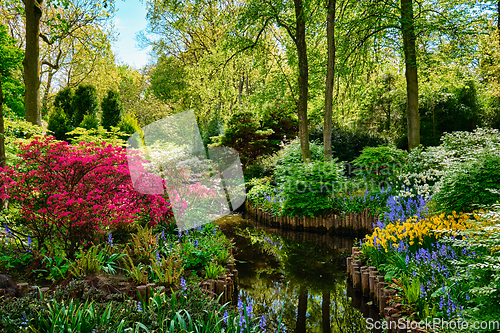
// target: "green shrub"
[[18, 131], [111, 110], [96, 136], [381, 163], [428, 168], [470, 184], [63, 100], [266, 197], [84, 103], [89, 121], [347, 144], [452, 109], [58, 123], [307, 187], [290, 154], [244, 133], [129, 124]]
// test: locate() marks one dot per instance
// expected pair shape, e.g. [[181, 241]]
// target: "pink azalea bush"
[[74, 194]]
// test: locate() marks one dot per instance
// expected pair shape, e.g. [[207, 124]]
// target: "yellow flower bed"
[[415, 231]]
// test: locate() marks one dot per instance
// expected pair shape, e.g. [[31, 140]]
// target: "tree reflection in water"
[[316, 297]]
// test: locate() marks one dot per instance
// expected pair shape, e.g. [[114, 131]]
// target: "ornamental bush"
[[59, 123], [70, 195], [381, 163], [63, 101], [471, 184], [111, 110], [307, 187], [84, 102]]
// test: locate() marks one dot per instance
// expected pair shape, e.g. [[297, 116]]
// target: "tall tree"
[[330, 76], [325, 311], [408, 32], [300, 42], [300, 326], [84, 103], [278, 11], [31, 61], [111, 110], [59, 28]]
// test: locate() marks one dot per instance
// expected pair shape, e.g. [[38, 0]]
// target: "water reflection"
[[303, 283]]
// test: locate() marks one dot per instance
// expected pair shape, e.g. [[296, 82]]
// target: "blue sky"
[[130, 18]]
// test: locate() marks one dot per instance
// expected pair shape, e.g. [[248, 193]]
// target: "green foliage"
[[213, 270], [18, 131], [382, 163], [63, 101], [12, 259], [56, 268], [11, 56], [167, 271], [138, 273], [243, 132], [13, 96], [282, 120], [59, 123], [308, 187], [267, 198], [129, 125], [111, 110], [84, 103], [97, 136], [470, 185], [94, 261], [89, 122], [168, 79], [290, 154], [347, 144], [448, 111], [10, 60]]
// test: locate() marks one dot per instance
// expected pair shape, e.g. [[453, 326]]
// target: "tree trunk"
[[300, 42], [2, 132], [3, 159], [407, 25], [45, 99], [300, 327], [498, 21], [325, 311], [330, 75], [31, 62]]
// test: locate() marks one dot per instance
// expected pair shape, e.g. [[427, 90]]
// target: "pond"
[[298, 277]]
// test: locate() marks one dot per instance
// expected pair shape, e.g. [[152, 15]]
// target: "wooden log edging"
[[371, 283], [224, 284], [347, 223]]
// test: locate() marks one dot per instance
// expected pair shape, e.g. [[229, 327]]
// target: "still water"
[[298, 278]]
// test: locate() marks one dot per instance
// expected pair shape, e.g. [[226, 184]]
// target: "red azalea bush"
[[72, 194]]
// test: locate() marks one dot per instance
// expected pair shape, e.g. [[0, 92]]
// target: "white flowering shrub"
[[429, 169]]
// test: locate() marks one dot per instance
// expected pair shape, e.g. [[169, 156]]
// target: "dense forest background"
[[257, 71]]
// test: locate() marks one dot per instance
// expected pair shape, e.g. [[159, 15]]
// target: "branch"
[[46, 40], [248, 46]]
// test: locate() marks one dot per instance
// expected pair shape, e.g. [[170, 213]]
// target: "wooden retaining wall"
[[319, 239], [371, 283], [350, 222]]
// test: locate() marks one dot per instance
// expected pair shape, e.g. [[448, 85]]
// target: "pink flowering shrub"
[[73, 194]]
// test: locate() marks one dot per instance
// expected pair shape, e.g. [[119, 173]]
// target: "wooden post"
[[365, 280], [349, 259], [22, 289], [356, 277]]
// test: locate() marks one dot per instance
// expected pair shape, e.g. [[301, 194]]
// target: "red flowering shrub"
[[72, 194]]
